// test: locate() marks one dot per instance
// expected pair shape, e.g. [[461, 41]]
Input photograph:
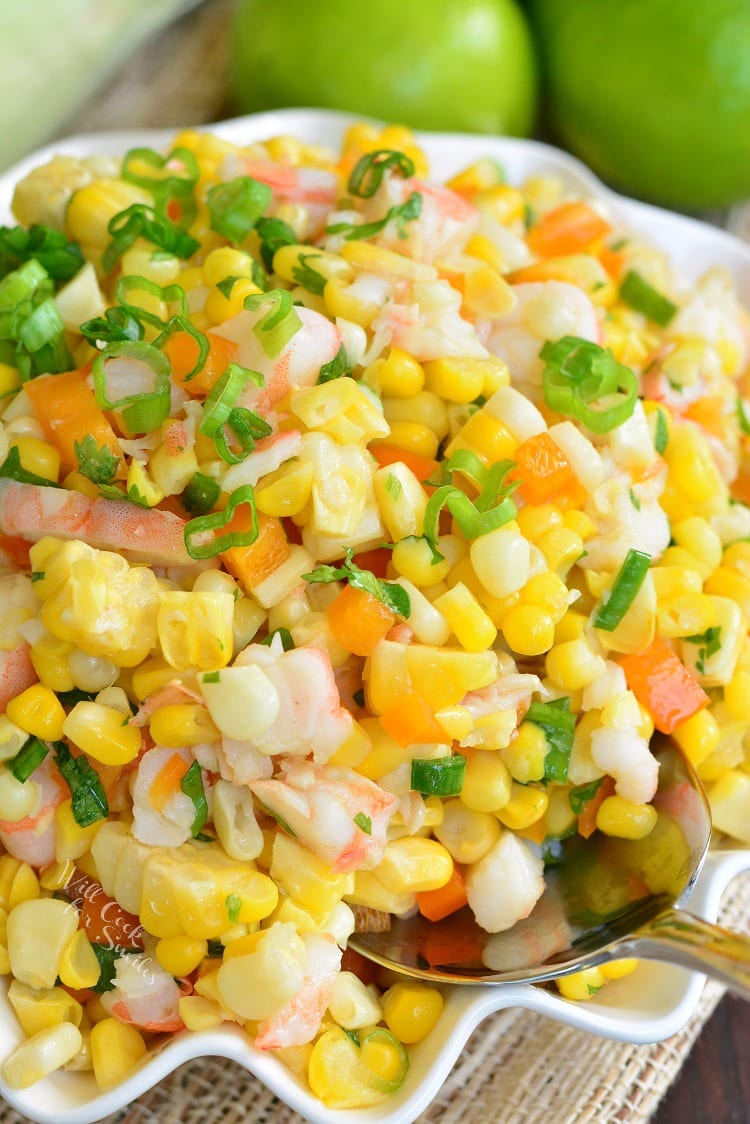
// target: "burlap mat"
[[518, 1067]]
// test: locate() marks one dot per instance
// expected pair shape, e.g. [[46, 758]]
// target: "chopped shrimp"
[[298, 363], [508, 692], [428, 325], [625, 755], [322, 804], [32, 839], [505, 885], [16, 673], [445, 223], [714, 313], [162, 814], [545, 310], [33, 511], [299, 1020], [291, 184], [168, 695], [238, 762], [311, 718], [621, 526], [268, 455], [145, 995]]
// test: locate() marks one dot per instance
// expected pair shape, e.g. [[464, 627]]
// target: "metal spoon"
[[605, 899]]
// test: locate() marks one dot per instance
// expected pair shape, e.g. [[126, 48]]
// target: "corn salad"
[[358, 533]]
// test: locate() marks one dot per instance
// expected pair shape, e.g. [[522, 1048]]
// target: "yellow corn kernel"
[[342, 409], [333, 1073], [150, 676], [414, 559], [467, 835], [728, 583], [479, 176], [456, 721], [182, 724], [289, 262], [286, 490], [385, 753], [399, 375], [529, 630], [413, 437], [561, 547], [525, 807], [79, 966], [625, 819], [370, 892], [411, 1009], [57, 876], [487, 782], [305, 878], [413, 864], [729, 798], [199, 1013], [220, 308], [49, 655], [486, 436], [39, 1008], [100, 732], [171, 469], [616, 969], [687, 615], [737, 695], [548, 591], [424, 407], [503, 203], [180, 955], [18, 883], [525, 755], [698, 736], [71, 840], [581, 985], [142, 484], [10, 379], [697, 536], [226, 261], [195, 629], [38, 457], [91, 208], [470, 624], [38, 711], [574, 664], [693, 475], [675, 581], [571, 627], [250, 985], [116, 1049], [535, 520], [38, 931], [342, 300], [41, 1055], [457, 380]]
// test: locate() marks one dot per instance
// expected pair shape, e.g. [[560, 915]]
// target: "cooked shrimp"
[[291, 184], [508, 692], [298, 363], [238, 762], [170, 694], [545, 310], [32, 839], [162, 814], [311, 718], [623, 526], [338, 814], [268, 455], [445, 223], [33, 511], [16, 673], [145, 995], [714, 312], [427, 323], [625, 755], [505, 885], [299, 1020]]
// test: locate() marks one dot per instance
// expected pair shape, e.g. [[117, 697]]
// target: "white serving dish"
[[649, 1005]]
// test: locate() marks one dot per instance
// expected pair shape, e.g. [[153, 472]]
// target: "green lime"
[[653, 94], [432, 64]]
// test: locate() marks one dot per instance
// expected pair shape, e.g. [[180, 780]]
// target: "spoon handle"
[[680, 938]]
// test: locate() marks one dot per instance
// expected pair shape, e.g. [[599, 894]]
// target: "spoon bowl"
[[605, 898]]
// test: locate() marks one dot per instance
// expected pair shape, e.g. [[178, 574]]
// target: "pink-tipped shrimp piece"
[[508, 692], [299, 1020], [144, 995], [338, 814], [168, 695], [161, 819], [295, 184], [16, 673], [298, 363], [268, 455], [311, 718], [32, 839], [445, 223], [32, 511]]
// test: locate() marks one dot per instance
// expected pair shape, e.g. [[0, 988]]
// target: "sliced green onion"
[[141, 221], [438, 776], [579, 373], [59, 258], [391, 594], [28, 759], [371, 1077], [201, 493], [192, 785], [638, 294], [284, 635], [308, 277], [116, 325], [43, 326], [630, 578], [273, 234], [132, 284], [558, 724], [21, 285], [472, 521], [12, 469], [274, 330], [236, 206], [202, 529], [223, 396], [89, 802], [401, 213], [247, 427], [145, 410], [167, 186], [369, 170]]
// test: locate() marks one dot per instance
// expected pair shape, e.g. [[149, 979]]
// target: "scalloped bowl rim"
[[649, 1006]]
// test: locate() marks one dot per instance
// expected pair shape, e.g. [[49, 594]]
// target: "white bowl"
[[649, 1005]]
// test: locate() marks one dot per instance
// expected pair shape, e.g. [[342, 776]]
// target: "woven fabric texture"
[[518, 1068]]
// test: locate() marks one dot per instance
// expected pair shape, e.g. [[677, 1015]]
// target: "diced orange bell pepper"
[[182, 352], [436, 904], [587, 818], [409, 720], [566, 229], [422, 467], [660, 681], [358, 620], [166, 783], [375, 560], [67, 411], [545, 473], [252, 564]]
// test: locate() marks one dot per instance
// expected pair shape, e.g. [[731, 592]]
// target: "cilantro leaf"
[[192, 785], [97, 463], [579, 796], [89, 802], [363, 822], [335, 368], [391, 594], [307, 277], [710, 642]]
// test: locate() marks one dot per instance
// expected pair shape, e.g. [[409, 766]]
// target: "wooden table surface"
[[714, 1085]]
